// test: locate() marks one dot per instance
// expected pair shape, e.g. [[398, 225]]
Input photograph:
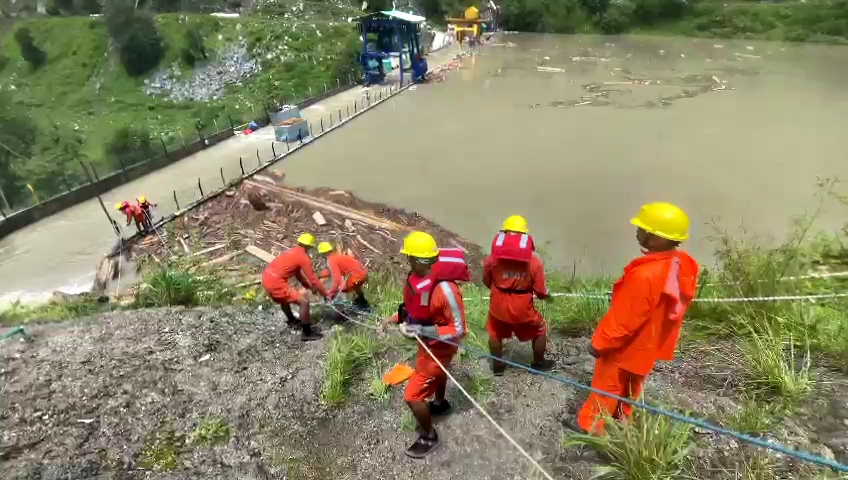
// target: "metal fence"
[[235, 170], [85, 176]]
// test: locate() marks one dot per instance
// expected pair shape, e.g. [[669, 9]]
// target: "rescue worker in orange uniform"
[[645, 315], [432, 310], [132, 212], [346, 274], [514, 274], [145, 206], [295, 263]]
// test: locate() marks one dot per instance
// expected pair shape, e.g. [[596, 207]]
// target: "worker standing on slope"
[[514, 274], [432, 308], [346, 274], [294, 263], [144, 205], [643, 322], [132, 212]]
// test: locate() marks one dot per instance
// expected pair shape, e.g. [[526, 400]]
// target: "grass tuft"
[[648, 446], [347, 353], [775, 367], [211, 431], [181, 282], [754, 417], [162, 451]]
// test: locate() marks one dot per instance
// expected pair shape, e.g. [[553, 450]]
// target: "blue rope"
[[806, 456]]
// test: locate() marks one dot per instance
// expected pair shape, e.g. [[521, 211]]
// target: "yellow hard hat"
[[306, 239], [141, 199], [118, 206], [420, 245], [515, 223], [325, 247], [663, 220]]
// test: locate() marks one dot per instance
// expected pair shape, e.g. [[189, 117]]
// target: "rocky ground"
[[123, 394]]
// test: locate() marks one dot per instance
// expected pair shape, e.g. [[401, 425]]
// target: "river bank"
[[197, 391]]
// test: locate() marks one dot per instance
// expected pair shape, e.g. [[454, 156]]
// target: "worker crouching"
[[645, 315], [346, 274], [432, 310], [133, 213], [514, 274], [295, 263]]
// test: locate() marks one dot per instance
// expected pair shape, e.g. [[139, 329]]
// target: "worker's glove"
[[409, 331], [593, 351]]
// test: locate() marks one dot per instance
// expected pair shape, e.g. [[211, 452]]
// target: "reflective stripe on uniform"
[[524, 239], [499, 241], [451, 260], [454, 305]]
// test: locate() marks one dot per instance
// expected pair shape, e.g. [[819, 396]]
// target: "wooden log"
[[209, 250], [319, 219], [259, 253], [223, 259]]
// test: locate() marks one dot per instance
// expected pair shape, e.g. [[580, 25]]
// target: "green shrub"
[[180, 283], [33, 55], [211, 431], [647, 447], [139, 43], [348, 352]]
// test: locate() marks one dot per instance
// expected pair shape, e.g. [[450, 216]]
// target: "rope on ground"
[[464, 392], [153, 226], [806, 456], [485, 413]]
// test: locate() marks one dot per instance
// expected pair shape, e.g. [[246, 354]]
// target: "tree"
[[31, 53], [139, 42], [128, 146]]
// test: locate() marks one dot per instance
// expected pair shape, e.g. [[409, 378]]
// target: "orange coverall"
[[448, 314], [641, 326], [344, 267], [513, 284], [293, 263]]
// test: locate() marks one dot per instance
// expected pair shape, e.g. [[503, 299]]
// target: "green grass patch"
[[408, 422], [777, 366], [211, 431], [648, 446], [347, 353], [754, 417], [182, 282], [162, 451], [65, 309]]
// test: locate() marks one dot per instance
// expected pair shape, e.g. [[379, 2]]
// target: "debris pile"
[[232, 64], [262, 218]]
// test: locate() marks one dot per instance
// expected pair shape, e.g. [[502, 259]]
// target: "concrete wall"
[[80, 194]]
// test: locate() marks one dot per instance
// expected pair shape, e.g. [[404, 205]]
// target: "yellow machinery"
[[467, 26]]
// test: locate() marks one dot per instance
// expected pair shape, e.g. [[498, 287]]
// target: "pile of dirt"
[[263, 213]]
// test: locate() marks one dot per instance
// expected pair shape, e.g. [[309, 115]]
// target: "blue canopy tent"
[[394, 30]]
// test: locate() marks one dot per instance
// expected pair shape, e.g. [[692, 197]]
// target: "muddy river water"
[[574, 132]]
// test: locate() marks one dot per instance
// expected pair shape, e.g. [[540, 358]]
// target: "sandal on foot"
[[423, 446], [544, 366]]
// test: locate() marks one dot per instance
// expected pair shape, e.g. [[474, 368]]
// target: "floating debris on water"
[[550, 69]]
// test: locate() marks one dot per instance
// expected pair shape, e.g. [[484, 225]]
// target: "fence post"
[[310, 128], [1, 208], [348, 111], [164, 147], [232, 124], [241, 166], [331, 120], [65, 181], [300, 135], [273, 150], [340, 115], [200, 132], [182, 139], [267, 113], [223, 180], [96, 176], [258, 160], [175, 200], [215, 121], [200, 187], [325, 88], [338, 83], [288, 149], [322, 125], [354, 106], [5, 202]]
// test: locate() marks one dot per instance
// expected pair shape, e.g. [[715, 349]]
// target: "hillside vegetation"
[[73, 89]]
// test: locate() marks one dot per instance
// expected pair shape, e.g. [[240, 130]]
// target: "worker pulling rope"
[[808, 457]]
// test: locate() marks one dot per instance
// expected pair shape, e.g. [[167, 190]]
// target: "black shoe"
[[310, 334], [570, 423], [498, 368], [423, 446], [544, 366], [437, 409], [361, 303]]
